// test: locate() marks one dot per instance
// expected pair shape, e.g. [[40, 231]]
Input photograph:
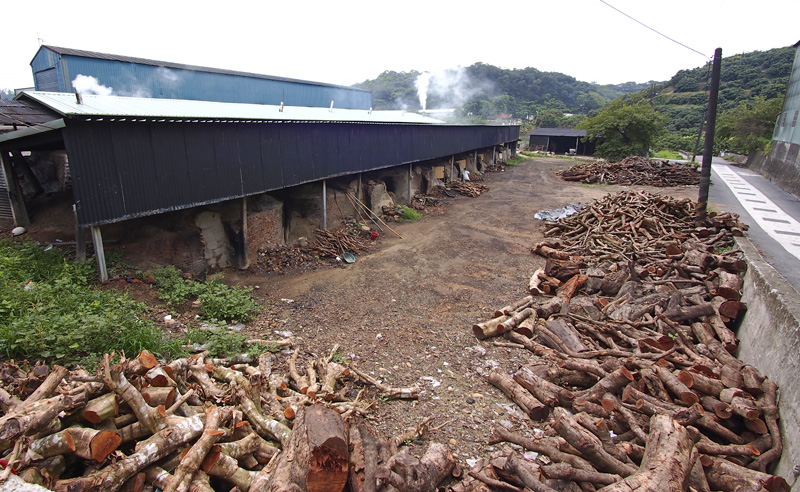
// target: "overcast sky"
[[345, 42]]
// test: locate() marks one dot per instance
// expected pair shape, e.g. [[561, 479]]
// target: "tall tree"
[[748, 126], [627, 126]]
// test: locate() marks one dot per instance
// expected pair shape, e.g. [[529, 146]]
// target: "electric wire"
[[655, 31]]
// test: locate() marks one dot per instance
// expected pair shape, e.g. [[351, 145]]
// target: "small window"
[[794, 120]]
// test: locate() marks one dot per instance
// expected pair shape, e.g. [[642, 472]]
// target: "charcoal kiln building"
[[240, 174]]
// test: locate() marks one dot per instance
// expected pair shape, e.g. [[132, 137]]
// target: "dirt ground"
[[404, 311]]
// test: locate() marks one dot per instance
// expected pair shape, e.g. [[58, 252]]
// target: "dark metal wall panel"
[[96, 188], [228, 161], [133, 160], [126, 170], [202, 162], [172, 167], [271, 156]]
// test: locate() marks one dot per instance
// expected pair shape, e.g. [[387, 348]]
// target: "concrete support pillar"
[[410, 175], [452, 160], [245, 257], [14, 192], [80, 240], [324, 204], [99, 253]]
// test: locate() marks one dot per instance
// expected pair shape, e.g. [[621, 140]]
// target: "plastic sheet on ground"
[[559, 213]]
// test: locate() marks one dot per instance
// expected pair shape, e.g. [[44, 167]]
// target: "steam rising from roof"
[[451, 87], [422, 83], [86, 84]]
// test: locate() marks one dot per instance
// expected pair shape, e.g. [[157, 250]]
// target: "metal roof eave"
[[180, 109], [31, 131]]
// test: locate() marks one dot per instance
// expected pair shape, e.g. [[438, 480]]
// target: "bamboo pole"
[[372, 214]]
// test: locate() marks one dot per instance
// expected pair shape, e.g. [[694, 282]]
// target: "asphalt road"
[[771, 213]]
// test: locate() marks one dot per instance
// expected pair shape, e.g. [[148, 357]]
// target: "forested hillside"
[[486, 91], [745, 78], [751, 93]]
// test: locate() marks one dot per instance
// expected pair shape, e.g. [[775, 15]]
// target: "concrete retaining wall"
[[781, 166], [770, 341]]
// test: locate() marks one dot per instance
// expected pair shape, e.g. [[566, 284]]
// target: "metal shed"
[[55, 68], [560, 141]]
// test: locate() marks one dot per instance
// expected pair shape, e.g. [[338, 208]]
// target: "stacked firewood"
[[468, 188], [637, 223], [633, 383], [204, 424], [335, 243], [633, 170]]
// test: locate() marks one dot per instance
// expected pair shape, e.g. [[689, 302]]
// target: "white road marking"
[[775, 222]]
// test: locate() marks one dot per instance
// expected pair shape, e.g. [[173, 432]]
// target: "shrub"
[[50, 310], [221, 302], [172, 287]]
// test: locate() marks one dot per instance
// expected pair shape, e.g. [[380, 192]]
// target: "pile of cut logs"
[[206, 424], [468, 188], [633, 170], [633, 384]]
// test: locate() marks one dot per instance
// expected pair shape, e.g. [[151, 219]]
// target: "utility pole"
[[705, 171]]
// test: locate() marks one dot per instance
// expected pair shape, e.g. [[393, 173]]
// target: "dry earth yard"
[[404, 310]]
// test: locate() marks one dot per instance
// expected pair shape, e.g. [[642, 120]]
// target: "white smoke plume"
[[86, 84], [422, 83], [452, 87]]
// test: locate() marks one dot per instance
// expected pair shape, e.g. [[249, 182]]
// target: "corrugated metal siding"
[[6, 215], [124, 169], [786, 127], [46, 80], [141, 80]]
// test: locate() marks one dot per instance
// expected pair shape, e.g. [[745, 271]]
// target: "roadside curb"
[[770, 340]]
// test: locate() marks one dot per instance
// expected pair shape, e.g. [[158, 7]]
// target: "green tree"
[[627, 126], [550, 118], [748, 126]]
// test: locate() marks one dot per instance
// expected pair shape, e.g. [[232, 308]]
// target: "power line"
[[655, 31]]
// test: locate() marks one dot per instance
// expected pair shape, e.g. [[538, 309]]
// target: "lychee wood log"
[[316, 455], [666, 464], [535, 409]]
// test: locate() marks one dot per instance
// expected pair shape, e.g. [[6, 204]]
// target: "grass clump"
[[409, 214], [668, 154], [217, 300], [50, 309], [516, 161]]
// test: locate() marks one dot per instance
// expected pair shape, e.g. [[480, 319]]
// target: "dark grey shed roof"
[[24, 113], [181, 66], [557, 132]]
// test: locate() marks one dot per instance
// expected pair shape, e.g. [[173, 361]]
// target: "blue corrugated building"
[[55, 69]]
